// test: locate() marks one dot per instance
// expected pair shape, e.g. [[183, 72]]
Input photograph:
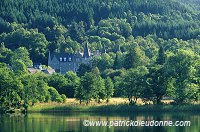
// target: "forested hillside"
[[57, 22], [159, 42]]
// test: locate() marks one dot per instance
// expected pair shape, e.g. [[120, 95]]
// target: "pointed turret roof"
[[103, 50], [119, 49], [86, 53], [49, 56]]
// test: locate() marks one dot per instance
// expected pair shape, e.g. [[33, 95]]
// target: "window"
[[65, 59], [60, 58], [70, 59]]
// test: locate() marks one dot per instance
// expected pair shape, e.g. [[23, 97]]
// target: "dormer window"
[[60, 58], [70, 59], [77, 59], [65, 59]]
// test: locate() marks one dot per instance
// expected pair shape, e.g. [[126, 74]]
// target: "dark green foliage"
[[149, 17], [63, 96], [135, 57], [35, 90], [59, 82], [73, 83], [157, 83], [102, 62], [32, 40], [116, 62], [5, 54], [109, 88], [83, 68], [55, 95], [19, 67], [10, 88], [22, 89], [23, 55], [62, 25], [88, 86], [91, 87], [182, 72], [132, 83], [159, 50], [161, 56]]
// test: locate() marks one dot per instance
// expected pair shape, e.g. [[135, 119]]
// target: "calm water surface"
[[73, 122]]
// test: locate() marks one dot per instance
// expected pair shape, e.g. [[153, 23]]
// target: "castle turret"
[[119, 49], [49, 59], [86, 53], [103, 50]]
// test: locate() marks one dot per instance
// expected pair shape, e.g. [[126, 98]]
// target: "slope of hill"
[[60, 22]]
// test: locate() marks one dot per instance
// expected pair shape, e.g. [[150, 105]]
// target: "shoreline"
[[115, 108], [115, 105]]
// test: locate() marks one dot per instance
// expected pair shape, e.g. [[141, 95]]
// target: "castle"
[[64, 62]]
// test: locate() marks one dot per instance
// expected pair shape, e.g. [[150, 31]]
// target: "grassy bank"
[[116, 108], [115, 105]]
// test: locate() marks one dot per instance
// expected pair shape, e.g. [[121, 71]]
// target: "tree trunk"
[[107, 100], [99, 101], [158, 100]]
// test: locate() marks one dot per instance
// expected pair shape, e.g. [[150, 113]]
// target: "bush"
[[55, 96], [59, 99], [63, 96]]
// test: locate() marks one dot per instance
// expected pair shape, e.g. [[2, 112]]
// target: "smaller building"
[[37, 66], [48, 71], [33, 70]]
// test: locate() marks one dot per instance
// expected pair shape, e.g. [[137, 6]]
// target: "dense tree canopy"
[[152, 50]]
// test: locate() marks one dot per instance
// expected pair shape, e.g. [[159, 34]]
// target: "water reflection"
[[73, 122]]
